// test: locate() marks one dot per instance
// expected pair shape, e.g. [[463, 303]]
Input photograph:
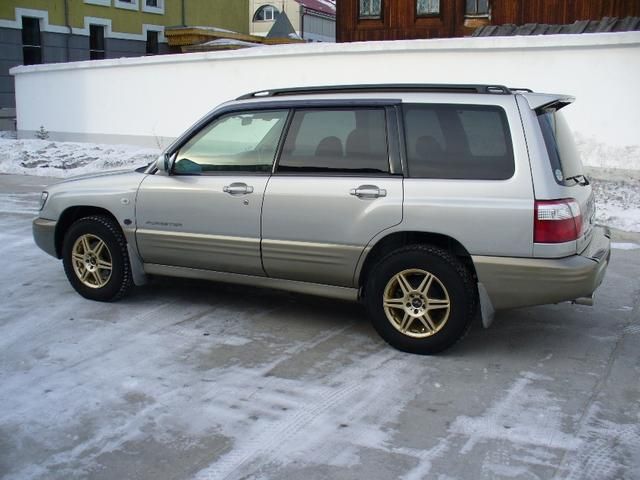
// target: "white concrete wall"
[[152, 99]]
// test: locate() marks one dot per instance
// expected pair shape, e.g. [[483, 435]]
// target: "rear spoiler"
[[544, 102]]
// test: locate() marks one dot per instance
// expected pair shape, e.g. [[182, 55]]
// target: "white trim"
[[153, 28], [133, 5], [102, 3], [159, 9], [109, 33], [43, 15]]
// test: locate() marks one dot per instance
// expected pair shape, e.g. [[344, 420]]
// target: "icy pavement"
[[617, 191], [195, 380]]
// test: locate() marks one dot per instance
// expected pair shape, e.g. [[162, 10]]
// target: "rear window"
[[563, 155], [458, 142]]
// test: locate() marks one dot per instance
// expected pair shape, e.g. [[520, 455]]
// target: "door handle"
[[237, 189], [368, 191]]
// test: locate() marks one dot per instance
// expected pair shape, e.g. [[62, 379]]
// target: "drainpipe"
[[68, 25], [183, 14]]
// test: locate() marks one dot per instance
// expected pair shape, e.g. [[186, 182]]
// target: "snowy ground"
[[617, 191], [193, 380]]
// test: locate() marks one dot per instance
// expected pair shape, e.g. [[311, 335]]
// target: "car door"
[[205, 213], [332, 191]]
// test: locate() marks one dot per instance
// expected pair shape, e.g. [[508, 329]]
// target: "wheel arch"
[[70, 215], [396, 240]]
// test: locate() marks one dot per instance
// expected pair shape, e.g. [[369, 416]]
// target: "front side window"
[[351, 141], [31, 41], [477, 8], [152, 3], [458, 142], [370, 8], [266, 13], [96, 42], [428, 7], [238, 142]]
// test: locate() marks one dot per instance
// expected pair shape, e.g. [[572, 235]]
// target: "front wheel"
[[421, 299], [95, 259]]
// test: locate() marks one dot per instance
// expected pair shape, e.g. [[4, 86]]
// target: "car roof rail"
[[382, 87], [519, 89]]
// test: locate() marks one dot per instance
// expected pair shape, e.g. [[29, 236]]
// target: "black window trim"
[[270, 104], [392, 157], [404, 149]]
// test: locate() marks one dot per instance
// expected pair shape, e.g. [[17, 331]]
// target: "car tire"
[[421, 299], [95, 258]]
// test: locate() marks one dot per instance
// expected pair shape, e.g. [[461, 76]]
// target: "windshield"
[[563, 154]]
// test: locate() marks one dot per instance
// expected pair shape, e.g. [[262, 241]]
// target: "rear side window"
[[458, 142], [563, 154], [351, 141]]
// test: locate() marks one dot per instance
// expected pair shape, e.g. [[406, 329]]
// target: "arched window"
[[265, 13]]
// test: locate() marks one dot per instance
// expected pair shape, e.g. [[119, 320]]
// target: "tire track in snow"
[[268, 440]]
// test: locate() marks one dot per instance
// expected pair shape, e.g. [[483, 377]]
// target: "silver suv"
[[429, 203]]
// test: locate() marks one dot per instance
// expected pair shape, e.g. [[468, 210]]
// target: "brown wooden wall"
[[399, 20]]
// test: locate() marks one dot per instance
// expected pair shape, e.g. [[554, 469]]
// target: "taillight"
[[557, 221]]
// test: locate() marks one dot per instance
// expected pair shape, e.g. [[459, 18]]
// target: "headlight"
[[43, 199]]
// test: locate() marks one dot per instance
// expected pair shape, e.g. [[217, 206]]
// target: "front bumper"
[[520, 282], [44, 234]]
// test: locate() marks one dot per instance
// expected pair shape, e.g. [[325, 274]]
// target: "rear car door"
[[336, 185], [206, 213]]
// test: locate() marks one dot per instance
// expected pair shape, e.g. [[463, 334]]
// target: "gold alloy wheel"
[[91, 260], [416, 303]]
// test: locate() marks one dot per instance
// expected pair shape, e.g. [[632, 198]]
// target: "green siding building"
[[49, 31]]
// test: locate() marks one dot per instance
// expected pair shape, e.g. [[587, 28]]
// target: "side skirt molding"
[[341, 293]]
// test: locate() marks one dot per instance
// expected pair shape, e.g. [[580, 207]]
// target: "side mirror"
[[162, 163]]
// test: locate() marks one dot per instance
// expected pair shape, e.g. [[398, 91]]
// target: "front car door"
[[336, 185], [206, 213]]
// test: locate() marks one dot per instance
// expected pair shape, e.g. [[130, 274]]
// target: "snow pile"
[[617, 199], [600, 155], [65, 159]]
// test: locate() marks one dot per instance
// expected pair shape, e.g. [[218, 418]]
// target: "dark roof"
[[607, 24], [323, 6], [282, 27]]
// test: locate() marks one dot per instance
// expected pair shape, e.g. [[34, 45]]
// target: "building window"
[[428, 7], [31, 41], [152, 42], [96, 42], [370, 8], [153, 6], [127, 4], [266, 13], [477, 8]]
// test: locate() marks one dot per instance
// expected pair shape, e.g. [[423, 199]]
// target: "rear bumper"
[[44, 234], [520, 282]]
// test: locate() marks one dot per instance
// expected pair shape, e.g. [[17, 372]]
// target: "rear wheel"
[[421, 299], [96, 260]]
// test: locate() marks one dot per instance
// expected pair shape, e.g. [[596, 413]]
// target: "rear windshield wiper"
[[581, 179]]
